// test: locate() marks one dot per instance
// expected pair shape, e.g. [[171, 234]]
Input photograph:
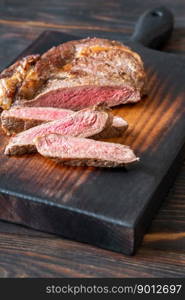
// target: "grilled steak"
[[12, 78], [75, 75], [76, 151], [19, 119], [86, 123]]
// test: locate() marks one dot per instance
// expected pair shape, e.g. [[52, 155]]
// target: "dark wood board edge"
[[144, 220], [44, 216]]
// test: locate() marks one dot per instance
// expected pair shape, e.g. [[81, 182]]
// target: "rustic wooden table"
[[28, 253]]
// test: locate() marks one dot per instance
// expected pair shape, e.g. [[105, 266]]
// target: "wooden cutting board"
[[110, 208]]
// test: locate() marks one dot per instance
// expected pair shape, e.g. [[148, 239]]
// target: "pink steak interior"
[[77, 98]]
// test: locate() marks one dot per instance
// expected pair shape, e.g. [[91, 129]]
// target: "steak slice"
[[18, 119], [78, 74], [86, 123], [75, 151]]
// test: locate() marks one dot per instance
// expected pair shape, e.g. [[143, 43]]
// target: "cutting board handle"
[[154, 27]]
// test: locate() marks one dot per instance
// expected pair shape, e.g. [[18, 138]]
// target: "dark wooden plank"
[[50, 257], [110, 14]]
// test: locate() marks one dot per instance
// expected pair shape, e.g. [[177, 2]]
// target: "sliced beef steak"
[[85, 123], [19, 119], [76, 151], [77, 74]]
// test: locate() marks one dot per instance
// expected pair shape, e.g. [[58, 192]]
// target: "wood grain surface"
[[28, 253]]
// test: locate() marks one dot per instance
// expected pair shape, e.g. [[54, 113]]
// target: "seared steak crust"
[[91, 62], [12, 78]]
